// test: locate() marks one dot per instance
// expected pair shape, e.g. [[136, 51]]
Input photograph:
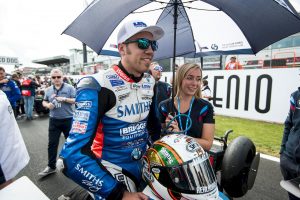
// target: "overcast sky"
[[31, 29]]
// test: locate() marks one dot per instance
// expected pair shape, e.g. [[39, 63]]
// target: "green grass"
[[266, 136]]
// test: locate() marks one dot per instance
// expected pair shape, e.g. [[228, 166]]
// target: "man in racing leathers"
[[114, 113]]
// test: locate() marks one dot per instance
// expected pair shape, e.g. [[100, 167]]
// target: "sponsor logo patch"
[[80, 115], [133, 131], [123, 96], [168, 157], [79, 127], [146, 86], [115, 82], [135, 86], [113, 76], [94, 183], [133, 109], [193, 146], [83, 105], [139, 24], [136, 154]]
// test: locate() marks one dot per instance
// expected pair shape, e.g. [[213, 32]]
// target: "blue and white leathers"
[[109, 133]]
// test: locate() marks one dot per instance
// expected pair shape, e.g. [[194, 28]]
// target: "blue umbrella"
[[192, 27]]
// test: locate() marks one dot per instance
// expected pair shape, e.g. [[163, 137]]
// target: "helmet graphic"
[[177, 167]]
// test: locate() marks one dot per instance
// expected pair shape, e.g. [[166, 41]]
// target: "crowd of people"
[[111, 117], [23, 91]]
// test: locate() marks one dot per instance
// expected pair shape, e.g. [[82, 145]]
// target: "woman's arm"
[[207, 138]]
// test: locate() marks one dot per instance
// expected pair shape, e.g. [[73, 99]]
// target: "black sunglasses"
[[144, 43], [54, 77]]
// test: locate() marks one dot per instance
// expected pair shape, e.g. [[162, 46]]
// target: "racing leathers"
[[109, 132]]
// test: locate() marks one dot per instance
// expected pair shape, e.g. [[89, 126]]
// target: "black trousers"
[[20, 107], [56, 127], [289, 170]]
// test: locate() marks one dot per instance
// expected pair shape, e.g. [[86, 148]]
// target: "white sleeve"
[[13, 153]]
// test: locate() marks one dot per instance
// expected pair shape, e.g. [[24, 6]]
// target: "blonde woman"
[[188, 101]]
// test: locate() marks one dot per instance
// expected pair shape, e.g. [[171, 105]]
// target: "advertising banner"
[[8, 60], [262, 94]]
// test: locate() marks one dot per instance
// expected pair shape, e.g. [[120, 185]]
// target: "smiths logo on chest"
[[133, 109]]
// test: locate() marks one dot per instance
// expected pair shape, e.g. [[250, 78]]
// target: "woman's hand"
[[174, 125]]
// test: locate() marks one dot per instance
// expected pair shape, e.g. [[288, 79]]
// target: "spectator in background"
[[206, 93], [20, 103], [233, 64], [68, 80], [162, 89], [13, 153], [59, 99], [46, 81], [290, 146], [28, 92], [10, 88], [38, 79]]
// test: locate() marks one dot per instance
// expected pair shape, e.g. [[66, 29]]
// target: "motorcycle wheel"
[[236, 165]]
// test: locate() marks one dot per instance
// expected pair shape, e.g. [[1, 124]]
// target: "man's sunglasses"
[[144, 43], [56, 77]]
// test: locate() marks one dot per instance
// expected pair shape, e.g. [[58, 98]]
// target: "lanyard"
[[189, 113]]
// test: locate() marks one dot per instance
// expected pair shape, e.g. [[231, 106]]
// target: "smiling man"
[[115, 117]]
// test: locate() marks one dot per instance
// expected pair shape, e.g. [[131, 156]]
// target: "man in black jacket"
[[290, 146]]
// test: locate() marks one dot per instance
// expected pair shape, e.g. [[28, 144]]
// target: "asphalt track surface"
[[35, 134]]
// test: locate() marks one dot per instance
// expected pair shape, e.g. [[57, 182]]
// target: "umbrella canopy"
[[192, 27]]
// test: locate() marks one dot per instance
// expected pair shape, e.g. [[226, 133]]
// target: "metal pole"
[[271, 57], [175, 16], [84, 54]]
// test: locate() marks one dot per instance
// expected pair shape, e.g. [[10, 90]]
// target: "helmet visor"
[[193, 177]]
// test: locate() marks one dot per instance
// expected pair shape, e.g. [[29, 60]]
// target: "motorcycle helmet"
[[177, 167]]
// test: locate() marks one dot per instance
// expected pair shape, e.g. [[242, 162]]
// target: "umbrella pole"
[[175, 16]]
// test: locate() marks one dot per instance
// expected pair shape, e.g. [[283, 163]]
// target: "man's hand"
[[61, 99], [134, 196], [4, 81], [51, 106]]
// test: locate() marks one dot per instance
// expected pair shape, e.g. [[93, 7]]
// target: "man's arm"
[[81, 164], [288, 124], [46, 102]]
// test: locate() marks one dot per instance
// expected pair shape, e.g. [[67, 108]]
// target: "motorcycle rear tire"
[[236, 166]]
